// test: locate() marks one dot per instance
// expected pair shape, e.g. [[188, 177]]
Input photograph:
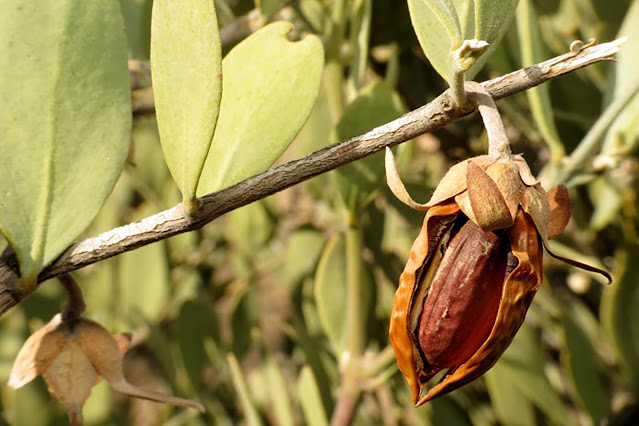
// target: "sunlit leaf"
[[65, 121], [265, 102], [437, 27], [186, 60], [310, 400]]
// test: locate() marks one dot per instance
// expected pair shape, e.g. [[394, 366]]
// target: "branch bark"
[[436, 114]]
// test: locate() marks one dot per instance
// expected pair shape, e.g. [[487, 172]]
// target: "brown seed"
[[462, 304]]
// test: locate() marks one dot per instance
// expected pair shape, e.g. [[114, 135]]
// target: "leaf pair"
[[216, 131], [442, 25]]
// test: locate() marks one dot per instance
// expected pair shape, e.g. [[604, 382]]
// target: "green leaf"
[[310, 399], [579, 359], [244, 318], [492, 18], [375, 105], [278, 392], [525, 363], [624, 131], [137, 18], [531, 46], [65, 121], [268, 7], [250, 228], [252, 418], [330, 292], [360, 23], [619, 314], [186, 58], [196, 323], [265, 102], [437, 28], [303, 250], [510, 405]]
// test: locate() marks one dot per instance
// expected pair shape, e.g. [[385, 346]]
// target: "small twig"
[[498, 144], [437, 114], [75, 306]]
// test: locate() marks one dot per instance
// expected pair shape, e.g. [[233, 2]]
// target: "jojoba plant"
[[125, 123]]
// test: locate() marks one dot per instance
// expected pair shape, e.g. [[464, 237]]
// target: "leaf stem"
[[498, 144], [351, 361], [75, 306]]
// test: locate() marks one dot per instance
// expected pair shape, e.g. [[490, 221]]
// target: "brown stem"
[[498, 144], [436, 114], [346, 405], [75, 306]]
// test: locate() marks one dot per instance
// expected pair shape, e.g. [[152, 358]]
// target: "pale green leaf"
[[436, 32], [492, 19], [137, 18], [187, 84], [251, 417], [330, 292], [531, 46], [65, 121], [270, 86], [331, 281], [579, 359], [625, 131], [278, 392], [359, 41], [619, 314], [510, 405], [268, 7], [525, 362], [375, 105], [310, 398]]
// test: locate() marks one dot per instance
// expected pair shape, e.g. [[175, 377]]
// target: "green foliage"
[[264, 103], [250, 315], [65, 122], [186, 59]]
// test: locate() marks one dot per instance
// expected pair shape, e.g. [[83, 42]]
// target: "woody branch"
[[432, 116]]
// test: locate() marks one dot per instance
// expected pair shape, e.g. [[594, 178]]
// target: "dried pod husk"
[[473, 270]]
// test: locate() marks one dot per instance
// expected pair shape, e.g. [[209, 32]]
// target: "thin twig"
[[437, 114]]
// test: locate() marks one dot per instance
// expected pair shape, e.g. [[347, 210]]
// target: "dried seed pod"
[[473, 270]]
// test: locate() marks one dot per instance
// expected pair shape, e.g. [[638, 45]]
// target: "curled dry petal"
[[559, 202], [37, 353], [70, 377], [454, 181], [396, 185], [489, 208], [104, 353]]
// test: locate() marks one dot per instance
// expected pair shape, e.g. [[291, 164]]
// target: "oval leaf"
[[269, 89], [186, 59], [65, 121], [437, 28]]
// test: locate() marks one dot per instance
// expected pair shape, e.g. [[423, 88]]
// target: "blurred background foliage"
[[253, 314]]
